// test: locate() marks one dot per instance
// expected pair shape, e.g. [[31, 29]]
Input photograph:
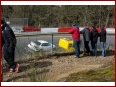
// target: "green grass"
[[101, 75]]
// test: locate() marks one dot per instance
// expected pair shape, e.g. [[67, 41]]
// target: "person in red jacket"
[[76, 38]]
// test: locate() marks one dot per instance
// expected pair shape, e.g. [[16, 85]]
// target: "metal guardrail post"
[[52, 46]]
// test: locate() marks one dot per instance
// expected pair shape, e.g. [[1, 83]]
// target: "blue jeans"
[[94, 48], [77, 47], [103, 47]]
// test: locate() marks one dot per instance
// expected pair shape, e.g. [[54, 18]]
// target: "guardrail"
[[58, 30]]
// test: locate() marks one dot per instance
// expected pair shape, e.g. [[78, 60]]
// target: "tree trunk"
[[100, 16], [107, 19]]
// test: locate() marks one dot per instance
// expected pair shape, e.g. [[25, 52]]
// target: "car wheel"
[[41, 52]]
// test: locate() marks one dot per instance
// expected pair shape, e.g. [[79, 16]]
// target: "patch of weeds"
[[36, 76], [33, 75], [101, 75]]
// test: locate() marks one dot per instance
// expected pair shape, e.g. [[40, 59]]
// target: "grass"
[[35, 77], [101, 75]]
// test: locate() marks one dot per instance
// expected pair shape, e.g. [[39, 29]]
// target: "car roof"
[[42, 41]]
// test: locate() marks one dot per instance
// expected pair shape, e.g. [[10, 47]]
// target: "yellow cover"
[[67, 44]]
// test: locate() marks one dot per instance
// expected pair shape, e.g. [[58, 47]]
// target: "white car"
[[41, 45]]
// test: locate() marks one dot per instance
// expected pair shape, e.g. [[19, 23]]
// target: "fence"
[[24, 40]]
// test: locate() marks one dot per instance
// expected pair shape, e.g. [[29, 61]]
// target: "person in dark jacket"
[[76, 38], [94, 38], [9, 44], [102, 35], [86, 37]]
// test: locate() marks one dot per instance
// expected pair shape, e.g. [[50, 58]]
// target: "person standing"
[[9, 44], [76, 39], [94, 38], [86, 37], [102, 35]]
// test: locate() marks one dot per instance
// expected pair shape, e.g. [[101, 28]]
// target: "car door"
[[46, 46]]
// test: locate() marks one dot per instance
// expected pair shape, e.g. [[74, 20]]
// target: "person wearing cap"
[[76, 38], [9, 44], [86, 38], [102, 35]]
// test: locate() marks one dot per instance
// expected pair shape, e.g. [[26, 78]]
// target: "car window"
[[38, 43], [45, 44]]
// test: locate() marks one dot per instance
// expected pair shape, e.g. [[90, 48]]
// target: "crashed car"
[[40, 45]]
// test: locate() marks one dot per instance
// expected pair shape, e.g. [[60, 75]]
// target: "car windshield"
[[45, 44], [36, 42]]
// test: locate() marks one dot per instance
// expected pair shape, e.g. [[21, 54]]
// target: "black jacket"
[[94, 35], [102, 35], [8, 36]]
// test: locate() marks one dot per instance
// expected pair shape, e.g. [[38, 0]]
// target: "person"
[[94, 38], [9, 44], [102, 35], [76, 38], [86, 37]]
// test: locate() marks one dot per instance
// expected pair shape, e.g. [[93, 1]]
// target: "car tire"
[[41, 52]]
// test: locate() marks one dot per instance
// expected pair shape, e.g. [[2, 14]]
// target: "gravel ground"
[[55, 68]]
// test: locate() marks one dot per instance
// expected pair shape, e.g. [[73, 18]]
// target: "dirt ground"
[[55, 68]]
